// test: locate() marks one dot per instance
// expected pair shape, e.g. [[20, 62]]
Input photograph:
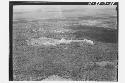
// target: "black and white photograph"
[[63, 41]]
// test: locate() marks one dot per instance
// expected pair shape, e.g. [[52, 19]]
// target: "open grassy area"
[[77, 61]]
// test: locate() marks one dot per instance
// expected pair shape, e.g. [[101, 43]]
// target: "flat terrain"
[[76, 61]]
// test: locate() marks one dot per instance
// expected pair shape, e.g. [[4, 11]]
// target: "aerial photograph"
[[65, 43]]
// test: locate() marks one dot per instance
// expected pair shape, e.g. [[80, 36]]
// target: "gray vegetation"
[[76, 60]]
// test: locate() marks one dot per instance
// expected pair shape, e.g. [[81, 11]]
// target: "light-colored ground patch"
[[51, 41], [56, 78]]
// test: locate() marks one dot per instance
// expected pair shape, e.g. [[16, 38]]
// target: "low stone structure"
[[51, 41]]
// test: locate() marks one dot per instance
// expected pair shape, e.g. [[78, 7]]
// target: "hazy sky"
[[60, 7], [60, 11]]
